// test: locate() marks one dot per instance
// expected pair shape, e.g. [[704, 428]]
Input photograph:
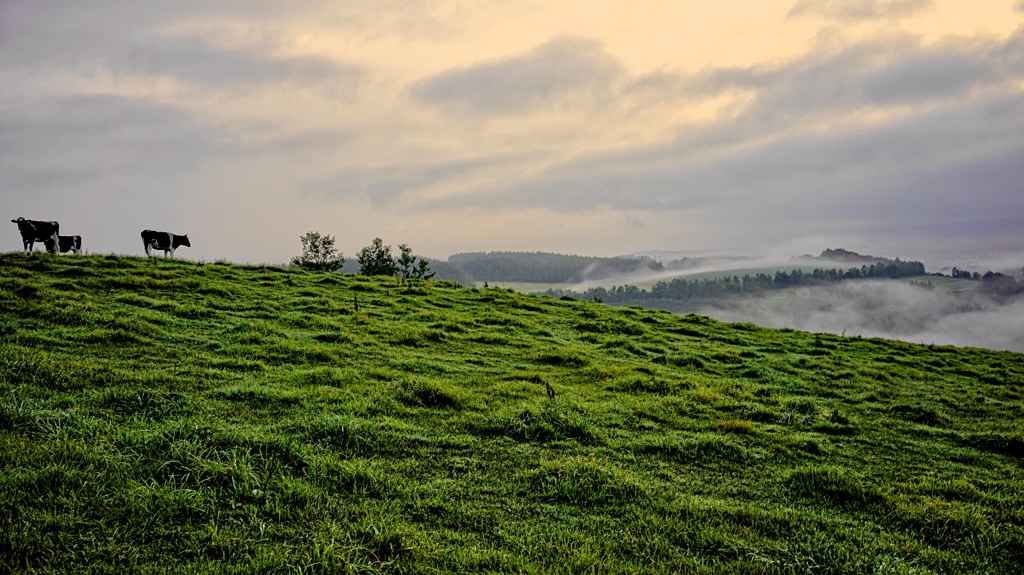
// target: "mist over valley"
[[915, 301], [888, 309]]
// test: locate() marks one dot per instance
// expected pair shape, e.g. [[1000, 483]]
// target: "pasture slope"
[[174, 417]]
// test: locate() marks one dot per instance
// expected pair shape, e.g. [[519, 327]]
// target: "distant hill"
[[168, 416], [543, 267], [846, 256]]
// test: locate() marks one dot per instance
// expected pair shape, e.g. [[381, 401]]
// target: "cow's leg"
[[172, 251], [149, 249]]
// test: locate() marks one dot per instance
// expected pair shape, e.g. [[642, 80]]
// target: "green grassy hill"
[[169, 416]]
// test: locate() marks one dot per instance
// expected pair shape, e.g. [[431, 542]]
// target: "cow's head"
[[185, 242]]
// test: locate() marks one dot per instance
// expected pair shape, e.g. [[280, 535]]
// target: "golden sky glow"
[[594, 127]]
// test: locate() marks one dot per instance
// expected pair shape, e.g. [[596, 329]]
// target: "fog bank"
[[885, 309]]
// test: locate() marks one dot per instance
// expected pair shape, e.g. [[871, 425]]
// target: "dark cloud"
[[950, 164], [541, 77], [852, 10], [54, 34], [929, 75], [194, 61], [57, 33], [943, 173], [72, 146]]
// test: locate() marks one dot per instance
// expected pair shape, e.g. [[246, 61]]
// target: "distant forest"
[[711, 288]]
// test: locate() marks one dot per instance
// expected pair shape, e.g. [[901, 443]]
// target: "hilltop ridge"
[[174, 416]]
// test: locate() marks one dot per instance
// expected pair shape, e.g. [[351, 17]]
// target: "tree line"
[[725, 286], [320, 254]]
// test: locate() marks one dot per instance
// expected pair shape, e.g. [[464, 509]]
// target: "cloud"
[[926, 76], [884, 71], [774, 149], [56, 33], [195, 61], [952, 174], [854, 10], [799, 165], [61, 148], [937, 152], [545, 76]]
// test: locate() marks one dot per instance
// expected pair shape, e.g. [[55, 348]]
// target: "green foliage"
[[375, 260], [318, 254], [176, 417], [411, 267]]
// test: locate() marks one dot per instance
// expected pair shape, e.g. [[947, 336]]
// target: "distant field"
[[944, 283], [161, 416]]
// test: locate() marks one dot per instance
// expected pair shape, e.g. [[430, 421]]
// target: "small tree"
[[406, 262], [318, 254], [423, 270], [411, 267], [375, 260]]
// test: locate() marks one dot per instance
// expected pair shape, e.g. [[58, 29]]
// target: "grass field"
[[174, 417]]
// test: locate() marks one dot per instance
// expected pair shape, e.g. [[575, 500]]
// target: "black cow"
[[165, 241], [33, 231], [66, 244]]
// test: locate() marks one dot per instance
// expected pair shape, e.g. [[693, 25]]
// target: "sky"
[[889, 127]]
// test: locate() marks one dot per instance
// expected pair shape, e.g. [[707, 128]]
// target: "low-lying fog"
[[888, 309]]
